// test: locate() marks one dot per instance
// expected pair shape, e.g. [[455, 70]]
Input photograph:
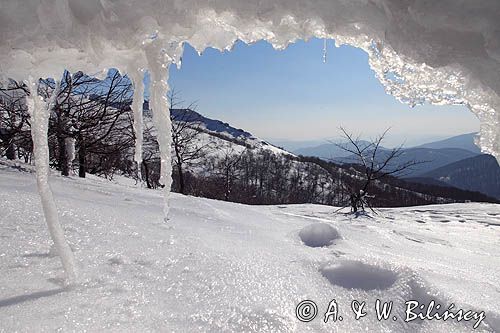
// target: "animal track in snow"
[[357, 275]]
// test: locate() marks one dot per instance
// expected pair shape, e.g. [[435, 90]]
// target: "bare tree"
[[227, 168], [14, 120], [187, 144], [150, 154], [373, 164], [96, 113], [61, 130]]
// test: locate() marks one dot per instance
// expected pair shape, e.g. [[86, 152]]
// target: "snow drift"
[[318, 235]]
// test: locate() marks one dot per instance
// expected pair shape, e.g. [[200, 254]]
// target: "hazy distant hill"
[[479, 173], [436, 154], [434, 158], [464, 141], [330, 150], [326, 151]]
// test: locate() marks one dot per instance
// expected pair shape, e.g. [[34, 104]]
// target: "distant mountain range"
[[455, 161], [480, 173], [430, 158], [464, 141], [435, 154], [330, 150], [327, 151]]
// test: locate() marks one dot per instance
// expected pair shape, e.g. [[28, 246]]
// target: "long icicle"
[[161, 117], [325, 51], [40, 113], [138, 99]]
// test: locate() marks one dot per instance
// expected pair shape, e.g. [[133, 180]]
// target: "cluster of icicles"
[[39, 111]]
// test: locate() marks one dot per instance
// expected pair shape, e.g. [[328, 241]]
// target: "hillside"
[[217, 129], [480, 173], [265, 174], [220, 267]]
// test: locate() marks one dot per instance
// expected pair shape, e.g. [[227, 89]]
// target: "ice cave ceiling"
[[442, 52]]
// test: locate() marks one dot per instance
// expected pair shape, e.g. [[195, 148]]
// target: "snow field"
[[224, 267]]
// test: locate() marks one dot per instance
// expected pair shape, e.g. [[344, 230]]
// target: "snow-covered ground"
[[224, 267]]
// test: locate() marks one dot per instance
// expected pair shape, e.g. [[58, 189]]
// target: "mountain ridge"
[[480, 173], [463, 141]]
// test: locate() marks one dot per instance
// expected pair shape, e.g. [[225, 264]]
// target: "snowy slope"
[[220, 133], [224, 267]]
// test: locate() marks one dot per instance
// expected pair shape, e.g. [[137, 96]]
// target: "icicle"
[[324, 51], [158, 69], [138, 100], [40, 113]]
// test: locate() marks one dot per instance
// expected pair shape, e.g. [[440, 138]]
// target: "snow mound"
[[358, 275], [318, 235]]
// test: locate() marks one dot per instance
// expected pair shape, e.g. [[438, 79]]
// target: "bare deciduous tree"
[[14, 120], [227, 168], [374, 163], [188, 147], [96, 113]]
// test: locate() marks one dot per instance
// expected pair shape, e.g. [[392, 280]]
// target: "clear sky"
[[293, 95]]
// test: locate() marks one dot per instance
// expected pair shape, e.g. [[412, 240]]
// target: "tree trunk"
[[63, 157], [354, 203], [11, 152], [81, 160], [181, 179], [146, 174], [228, 186]]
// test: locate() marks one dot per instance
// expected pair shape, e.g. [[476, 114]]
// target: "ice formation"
[[439, 52], [138, 99], [157, 59], [325, 51], [39, 111]]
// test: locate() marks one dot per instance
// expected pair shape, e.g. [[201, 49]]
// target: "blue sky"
[[293, 95]]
